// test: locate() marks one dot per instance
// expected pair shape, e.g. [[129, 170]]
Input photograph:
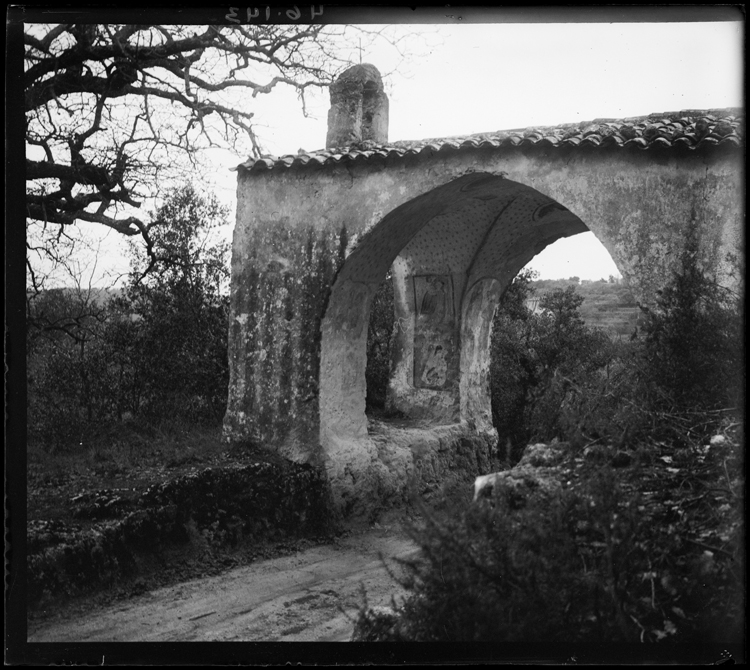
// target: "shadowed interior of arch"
[[450, 254]]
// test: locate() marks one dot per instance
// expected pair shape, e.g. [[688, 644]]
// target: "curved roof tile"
[[688, 128]]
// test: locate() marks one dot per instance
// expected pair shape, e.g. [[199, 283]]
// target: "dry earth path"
[[299, 597]]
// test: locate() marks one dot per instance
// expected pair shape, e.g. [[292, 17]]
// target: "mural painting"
[[434, 334]]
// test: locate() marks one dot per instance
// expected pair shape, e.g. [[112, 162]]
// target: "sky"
[[473, 78], [487, 77]]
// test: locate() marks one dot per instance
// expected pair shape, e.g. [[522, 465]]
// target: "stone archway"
[[316, 233], [453, 251]]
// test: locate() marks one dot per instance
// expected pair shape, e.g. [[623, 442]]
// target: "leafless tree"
[[111, 110]]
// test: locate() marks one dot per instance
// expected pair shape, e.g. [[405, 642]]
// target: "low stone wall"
[[425, 461], [223, 508], [210, 509]]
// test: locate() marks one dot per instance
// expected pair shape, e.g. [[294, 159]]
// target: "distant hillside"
[[95, 296], [607, 304]]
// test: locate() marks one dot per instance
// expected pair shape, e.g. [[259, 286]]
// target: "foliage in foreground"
[[650, 553], [642, 539]]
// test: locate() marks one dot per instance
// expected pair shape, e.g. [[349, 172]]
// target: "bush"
[[513, 369], [69, 378], [518, 575], [156, 350], [178, 313], [552, 377], [694, 344], [625, 556], [683, 377], [544, 367]]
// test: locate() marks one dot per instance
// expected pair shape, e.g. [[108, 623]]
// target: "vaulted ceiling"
[[479, 226]]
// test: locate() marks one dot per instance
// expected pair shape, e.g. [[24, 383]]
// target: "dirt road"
[[292, 598]]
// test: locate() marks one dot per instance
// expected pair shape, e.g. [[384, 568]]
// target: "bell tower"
[[359, 108]]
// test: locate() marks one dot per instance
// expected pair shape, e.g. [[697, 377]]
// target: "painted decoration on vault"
[[434, 334]]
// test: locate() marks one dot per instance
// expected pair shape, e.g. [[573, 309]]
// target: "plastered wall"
[[311, 246]]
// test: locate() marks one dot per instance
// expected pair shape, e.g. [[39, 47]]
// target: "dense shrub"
[[685, 375], [515, 575], [694, 343], [178, 312], [512, 364], [633, 555], [155, 350], [543, 366], [553, 377], [68, 373]]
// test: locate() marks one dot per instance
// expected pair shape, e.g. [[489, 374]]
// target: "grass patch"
[[125, 457]]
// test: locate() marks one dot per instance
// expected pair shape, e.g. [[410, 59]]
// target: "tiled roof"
[[689, 128]]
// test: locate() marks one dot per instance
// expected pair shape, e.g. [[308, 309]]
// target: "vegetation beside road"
[[644, 542], [607, 546], [636, 534], [152, 355]]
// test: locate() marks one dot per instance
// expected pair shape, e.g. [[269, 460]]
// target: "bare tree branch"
[[164, 92], [114, 113]]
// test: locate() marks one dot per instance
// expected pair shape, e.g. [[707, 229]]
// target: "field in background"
[[608, 304]]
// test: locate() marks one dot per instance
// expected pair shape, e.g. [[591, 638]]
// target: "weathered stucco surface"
[[359, 108], [311, 246]]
